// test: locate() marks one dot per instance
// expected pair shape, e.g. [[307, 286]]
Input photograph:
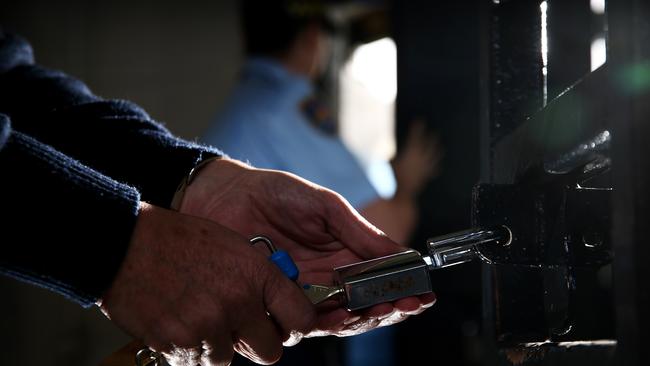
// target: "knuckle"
[[334, 197], [157, 340], [202, 315], [269, 356], [176, 333], [187, 339], [222, 358], [293, 338], [307, 319], [260, 271], [262, 355], [274, 356], [157, 345], [269, 279]]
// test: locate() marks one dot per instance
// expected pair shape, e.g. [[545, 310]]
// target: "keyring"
[[148, 357]]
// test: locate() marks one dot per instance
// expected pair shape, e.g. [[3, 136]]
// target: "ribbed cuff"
[[120, 140], [66, 227]]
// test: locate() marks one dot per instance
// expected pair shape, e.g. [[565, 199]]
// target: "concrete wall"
[[176, 59]]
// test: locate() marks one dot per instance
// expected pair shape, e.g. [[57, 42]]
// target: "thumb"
[[287, 304], [355, 232]]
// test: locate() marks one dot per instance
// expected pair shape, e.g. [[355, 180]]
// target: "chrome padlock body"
[[383, 279]]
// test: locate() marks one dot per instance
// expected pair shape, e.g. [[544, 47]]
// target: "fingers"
[[210, 342], [182, 356], [332, 321], [258, 338], [428, 300], [287, 304], [170, 333], [205, 317], [419, 141], [283, 309], [354, 231], [211, 289], [293, 338], [432, 154], [341, 322], [408, 304], [403, 308], [417, 130], [344, 323], [379, 310], [218, 351], [258, 335], [421, 157]]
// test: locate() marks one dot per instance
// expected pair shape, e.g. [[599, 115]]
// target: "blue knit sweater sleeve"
[[73, 168], [64, 226], [115, 137]]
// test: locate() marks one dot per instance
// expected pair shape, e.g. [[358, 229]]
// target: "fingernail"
[[428, 305], [351, 320], [385, 316], [293, 339]]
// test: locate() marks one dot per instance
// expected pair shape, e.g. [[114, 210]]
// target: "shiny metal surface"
[[463, 246], [406, 274], [320, 293], [595, 149], [147, 357], [383, 279]]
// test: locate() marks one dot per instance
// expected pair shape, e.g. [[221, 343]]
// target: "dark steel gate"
[[567, 171]]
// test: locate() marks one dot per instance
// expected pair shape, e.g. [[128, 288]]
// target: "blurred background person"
[[275, 119]]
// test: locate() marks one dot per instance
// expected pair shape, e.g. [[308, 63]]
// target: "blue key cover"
[[284, 261]]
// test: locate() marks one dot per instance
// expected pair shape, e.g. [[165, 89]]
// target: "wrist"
[[177, 199]]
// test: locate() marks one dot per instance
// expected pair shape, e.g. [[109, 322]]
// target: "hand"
[[418, 162], [194, 290], [318, 228]]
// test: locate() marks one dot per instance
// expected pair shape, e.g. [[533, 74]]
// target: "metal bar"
[[630, 56]]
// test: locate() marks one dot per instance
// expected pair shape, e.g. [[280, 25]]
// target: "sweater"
[[73, 170]]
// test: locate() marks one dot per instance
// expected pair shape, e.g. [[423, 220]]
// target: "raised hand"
[[418, 162]]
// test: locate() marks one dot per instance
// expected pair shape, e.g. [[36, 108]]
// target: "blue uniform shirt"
[[262, 123]]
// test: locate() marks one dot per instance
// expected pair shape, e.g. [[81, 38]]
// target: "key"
[[319, 293], [460, 247], [405, 274], [385, 279], [147, 357], [279, 257], [364, 284], [315, 293]]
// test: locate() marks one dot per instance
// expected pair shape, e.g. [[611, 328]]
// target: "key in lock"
[[364, 284], [385, 279]]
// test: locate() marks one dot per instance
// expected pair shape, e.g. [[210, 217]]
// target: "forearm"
[[66, 227], [116, 138]]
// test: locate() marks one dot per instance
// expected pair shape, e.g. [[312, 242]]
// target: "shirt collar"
[[293, 86]]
